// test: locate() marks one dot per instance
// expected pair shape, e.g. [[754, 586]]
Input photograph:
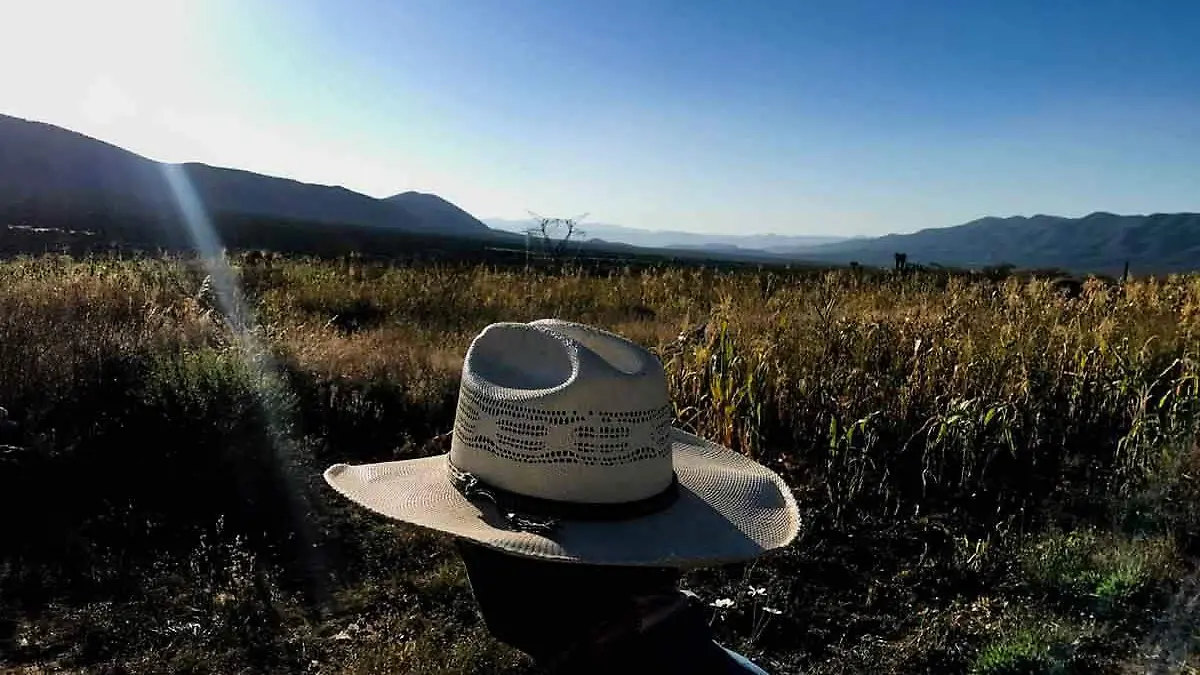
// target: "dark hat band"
[[541, 516]]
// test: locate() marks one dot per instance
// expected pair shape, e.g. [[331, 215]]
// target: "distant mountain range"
[[53, 177], [771, 243], [1099, 242]]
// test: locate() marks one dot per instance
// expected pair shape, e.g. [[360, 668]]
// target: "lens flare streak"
[[270, 389]]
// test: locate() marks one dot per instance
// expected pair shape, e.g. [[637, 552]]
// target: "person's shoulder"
[[742, 664]]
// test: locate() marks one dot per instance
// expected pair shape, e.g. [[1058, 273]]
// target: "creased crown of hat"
[[563, 448]]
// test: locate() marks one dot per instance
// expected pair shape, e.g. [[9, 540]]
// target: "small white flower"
[[755, 592], [772, 610], [723, 603]]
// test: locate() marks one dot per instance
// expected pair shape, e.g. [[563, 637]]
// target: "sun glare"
[[103, 68]]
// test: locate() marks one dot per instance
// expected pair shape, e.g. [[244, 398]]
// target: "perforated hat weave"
[[563, 449]]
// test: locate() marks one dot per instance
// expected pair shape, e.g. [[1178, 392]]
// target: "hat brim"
[[729, 509]]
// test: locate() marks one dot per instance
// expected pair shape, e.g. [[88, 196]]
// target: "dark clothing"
[[679, 643], [577, 619]]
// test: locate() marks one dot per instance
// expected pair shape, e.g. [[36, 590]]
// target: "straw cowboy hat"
[[563, 450]]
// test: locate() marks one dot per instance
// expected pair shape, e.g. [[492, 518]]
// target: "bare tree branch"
[[555, 233]]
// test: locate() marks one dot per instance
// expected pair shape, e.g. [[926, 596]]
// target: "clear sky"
[[789, 116]]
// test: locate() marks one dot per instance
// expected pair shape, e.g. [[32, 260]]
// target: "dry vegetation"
[[995, 479]]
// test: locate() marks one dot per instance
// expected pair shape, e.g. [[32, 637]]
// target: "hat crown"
[[563, 411]]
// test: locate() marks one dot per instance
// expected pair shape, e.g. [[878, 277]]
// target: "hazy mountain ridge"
[[771, 243]]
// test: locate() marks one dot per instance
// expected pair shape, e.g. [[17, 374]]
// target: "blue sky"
[[847, 117]]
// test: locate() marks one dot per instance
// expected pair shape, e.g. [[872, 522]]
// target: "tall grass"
[[924, 422], [896, 393]]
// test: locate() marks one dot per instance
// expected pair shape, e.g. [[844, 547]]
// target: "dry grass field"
[[994, 478]]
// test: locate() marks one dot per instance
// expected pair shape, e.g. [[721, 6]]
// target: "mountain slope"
[[50, 175], [1100, 242], [436, 213], [243, 192]]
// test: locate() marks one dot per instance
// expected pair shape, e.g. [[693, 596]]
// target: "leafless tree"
[[556, 233]]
